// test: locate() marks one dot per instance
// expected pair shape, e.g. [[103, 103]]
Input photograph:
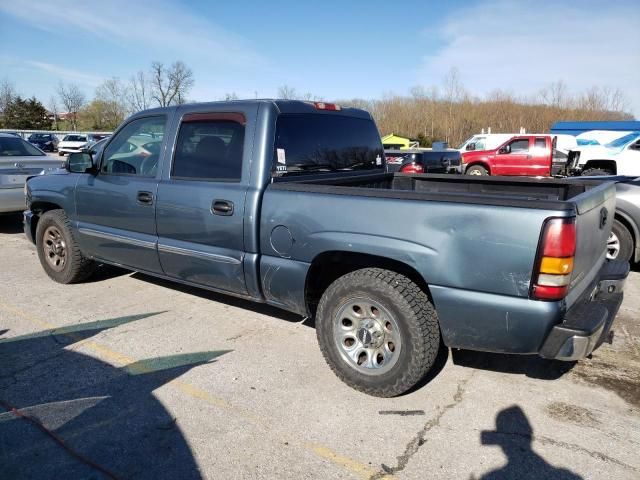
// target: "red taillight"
[[559, 238], [555, 262], [412, 168], [327, 106]]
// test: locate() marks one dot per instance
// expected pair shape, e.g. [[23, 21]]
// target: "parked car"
[[523, 155], [619, 157], [72, 143], [46, 142], [599, 137], [423, 161], [18, 161], [289, 203]]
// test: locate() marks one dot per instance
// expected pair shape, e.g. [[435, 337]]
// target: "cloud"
[[140, 25], [67, 73], [522, 47]]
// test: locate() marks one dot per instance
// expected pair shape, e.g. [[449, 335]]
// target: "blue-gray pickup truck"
[[289, 203]]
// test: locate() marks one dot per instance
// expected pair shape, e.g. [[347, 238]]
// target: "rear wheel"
[[477, 170], [378, 331], [619, 243], [58, 250]]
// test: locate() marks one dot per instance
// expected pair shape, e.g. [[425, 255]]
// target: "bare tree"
[[113, 93], [139, 96], [230, 96], [287, 93], [53, 108], [170, 86], [555, 94], [7, 94], [72, 99]]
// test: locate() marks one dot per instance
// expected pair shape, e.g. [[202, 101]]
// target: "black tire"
[[595, 172], [625, 242], [61, 154], [477, 170], [412, 312], [75, 267]]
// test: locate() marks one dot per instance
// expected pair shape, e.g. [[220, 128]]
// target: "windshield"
[[468, 140], [75, 138], [622, 141], [326, 143], [17, 147], [40, 136]]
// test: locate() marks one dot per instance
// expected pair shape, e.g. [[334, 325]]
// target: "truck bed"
[[523, 192]]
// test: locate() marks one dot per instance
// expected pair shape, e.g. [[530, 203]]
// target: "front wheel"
[[378, 331], [596, 172], [58, 250], [477, 170]]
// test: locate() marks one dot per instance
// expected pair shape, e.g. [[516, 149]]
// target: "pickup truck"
[[618, 157], [289, 203], [523, 155], [422, 160]]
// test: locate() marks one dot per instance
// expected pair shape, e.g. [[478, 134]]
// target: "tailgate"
[[595, 212]]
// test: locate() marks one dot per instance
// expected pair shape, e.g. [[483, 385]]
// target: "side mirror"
[[634, 146], [470, 147], [506, 149], [80, 162]]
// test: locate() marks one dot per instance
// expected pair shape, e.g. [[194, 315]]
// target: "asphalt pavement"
[[130, 377]]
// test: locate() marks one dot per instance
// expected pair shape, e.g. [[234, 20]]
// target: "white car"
[[619, 157], [599, 137], [72, 143]]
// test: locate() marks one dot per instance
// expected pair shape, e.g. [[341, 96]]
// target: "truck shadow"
[[11, 223], [529, 365], [86, 417], [261, 308]]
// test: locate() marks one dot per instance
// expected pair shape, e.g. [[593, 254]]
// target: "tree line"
[[440, 112], [113, 100], [449, 112]]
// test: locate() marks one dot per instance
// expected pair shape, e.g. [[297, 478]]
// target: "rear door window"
[[540, 143], [210, 147], [319, 143]]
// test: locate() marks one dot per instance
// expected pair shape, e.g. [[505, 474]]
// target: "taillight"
[[555, 263], [327, 106], [412, 167]]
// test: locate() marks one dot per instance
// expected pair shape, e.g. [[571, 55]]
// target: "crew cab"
[[618, 157], [523, 155], [289, 203]]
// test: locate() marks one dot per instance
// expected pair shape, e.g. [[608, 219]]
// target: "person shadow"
[[67, 414], [514, 435]]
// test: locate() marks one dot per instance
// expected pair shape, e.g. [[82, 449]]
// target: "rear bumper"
[[587, 324], [12, 200]]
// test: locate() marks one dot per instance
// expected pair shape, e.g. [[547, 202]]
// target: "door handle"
[[145, 198], [222, 207]]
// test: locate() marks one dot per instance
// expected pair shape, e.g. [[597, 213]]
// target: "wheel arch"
[[328, 266], [601, 164], [39, 208], [630, 225], [478, 163]]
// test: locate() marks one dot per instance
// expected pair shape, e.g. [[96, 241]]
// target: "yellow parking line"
[[121, 360]]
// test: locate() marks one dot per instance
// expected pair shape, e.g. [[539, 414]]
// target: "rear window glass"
[[17, 147], [325, 143]]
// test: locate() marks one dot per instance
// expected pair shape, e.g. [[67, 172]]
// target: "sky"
[[332, 49]]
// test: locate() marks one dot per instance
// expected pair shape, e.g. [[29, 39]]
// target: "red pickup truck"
[[528, 155]]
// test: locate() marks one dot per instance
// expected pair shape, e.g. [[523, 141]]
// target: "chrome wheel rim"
[[367, 336], [475, 172], [613, 246], [54, 248]]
